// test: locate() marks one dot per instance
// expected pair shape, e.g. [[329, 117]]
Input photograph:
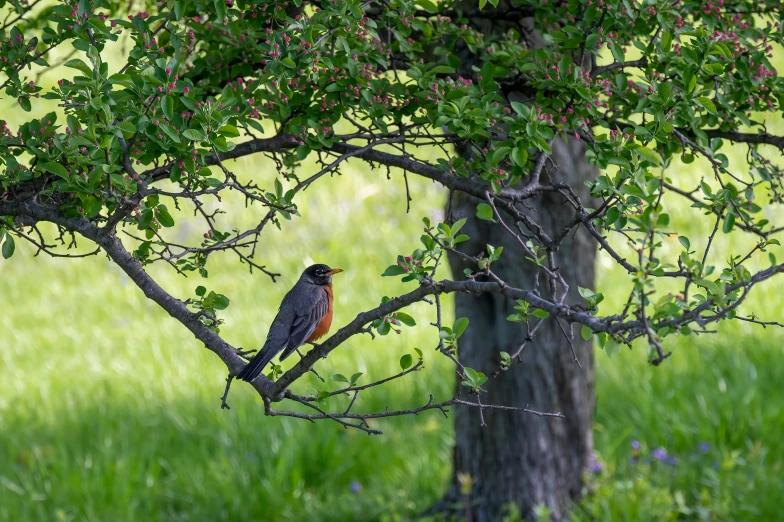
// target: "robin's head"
[[320, 274]]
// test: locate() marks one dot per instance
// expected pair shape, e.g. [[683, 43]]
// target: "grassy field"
[[109, 409]]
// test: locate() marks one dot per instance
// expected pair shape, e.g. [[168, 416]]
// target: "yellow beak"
[[335, 271]]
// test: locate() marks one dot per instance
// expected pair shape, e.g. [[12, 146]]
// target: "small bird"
[[305, 315]]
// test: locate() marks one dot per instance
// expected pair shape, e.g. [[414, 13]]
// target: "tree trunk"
[[520, 458], [518, 461]]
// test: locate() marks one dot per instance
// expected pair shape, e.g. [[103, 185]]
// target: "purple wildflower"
[[704, 447], [660, 454], [355, 487], [671, 461], [635, 444], [594, 464]]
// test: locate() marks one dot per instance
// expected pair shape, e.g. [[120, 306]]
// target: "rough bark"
[[519, 459]]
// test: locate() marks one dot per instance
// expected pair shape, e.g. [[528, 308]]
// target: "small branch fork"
[[345, 417]]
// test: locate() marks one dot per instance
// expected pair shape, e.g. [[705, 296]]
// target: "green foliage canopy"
[[641, 84]]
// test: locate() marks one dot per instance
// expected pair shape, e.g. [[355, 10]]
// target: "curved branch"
[[763, 138]]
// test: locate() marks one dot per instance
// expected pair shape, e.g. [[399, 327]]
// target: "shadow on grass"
[[188, 460]]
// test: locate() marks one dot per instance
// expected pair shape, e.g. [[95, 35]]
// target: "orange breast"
[[326, 321]]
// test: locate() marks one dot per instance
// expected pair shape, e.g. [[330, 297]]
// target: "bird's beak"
[[335, 271]]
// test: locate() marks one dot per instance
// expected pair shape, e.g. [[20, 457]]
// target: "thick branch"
[[739, 137], [117, 253]]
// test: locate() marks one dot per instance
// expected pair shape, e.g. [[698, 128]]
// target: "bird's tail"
[[254, 367]]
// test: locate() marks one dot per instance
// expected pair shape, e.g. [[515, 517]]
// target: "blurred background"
[[110, 409]]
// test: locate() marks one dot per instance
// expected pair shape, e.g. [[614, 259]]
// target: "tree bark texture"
[[523, 459], [518, 459]]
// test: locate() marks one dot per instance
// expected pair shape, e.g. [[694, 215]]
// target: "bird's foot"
[[315, 346], [312, 370]]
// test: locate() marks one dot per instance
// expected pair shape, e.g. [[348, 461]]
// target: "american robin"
[[305, 315]]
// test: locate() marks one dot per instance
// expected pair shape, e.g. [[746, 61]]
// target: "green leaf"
[[501, 153], [442, 69], [179, 9], [393, 270], [617, 52], [230, 131], [541, 314], [586, 293], [169, 131], [354, 378], [692, 83], [80, 66], [164, 218], [586, 332], [666, 40], [729, 222], [406, 361], [193, 134], [200, 291], [167, 106], [484, 211], [709, 285], [405, 319], [55, 168], [612, 347], [458, 225], [8, 247], [649, 155], [221, 302], [520, 156], [474, 378], [339, 378], [521, 109], [685, 242], [612, 215], [460, 326], [128, 129], [220, 9], [427, 5], [384, 328], [471, 374], [707, 103]]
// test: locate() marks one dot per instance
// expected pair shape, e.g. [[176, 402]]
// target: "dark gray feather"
[[307, 315]]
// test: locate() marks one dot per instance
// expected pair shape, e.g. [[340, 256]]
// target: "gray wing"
[[308, 310]]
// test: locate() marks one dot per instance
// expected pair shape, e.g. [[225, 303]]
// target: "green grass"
[[109, 409]]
